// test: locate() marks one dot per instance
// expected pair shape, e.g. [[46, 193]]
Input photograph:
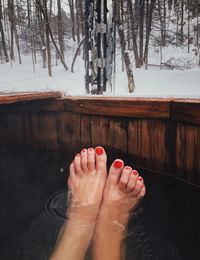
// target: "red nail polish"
[[135, 172], [91, 149], [83, 150], [99, 150], [128, 168], [118, 164], [140, 179]]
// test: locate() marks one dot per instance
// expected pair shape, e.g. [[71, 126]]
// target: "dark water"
[[165, 226]]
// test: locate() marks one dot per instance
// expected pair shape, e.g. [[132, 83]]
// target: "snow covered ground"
[[149, 83]]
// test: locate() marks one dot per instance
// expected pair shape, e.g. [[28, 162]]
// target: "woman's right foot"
[[124, 189]]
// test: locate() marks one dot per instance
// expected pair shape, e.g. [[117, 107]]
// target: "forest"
[[48, 29]]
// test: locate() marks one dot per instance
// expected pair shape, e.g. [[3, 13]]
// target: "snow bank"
[[149, 83]]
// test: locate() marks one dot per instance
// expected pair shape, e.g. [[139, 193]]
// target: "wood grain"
[[8, 98], [165, 139], [147, 143], [69, 129], [188, 153], [141, 108], [44, 130], [12, 129], [186, 111]]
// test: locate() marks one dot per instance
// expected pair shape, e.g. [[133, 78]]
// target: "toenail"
[[118, 164], [84, 150], [135, 172], [99, 150], [128, 168], [140, 179], [78, 154], [91, 149]]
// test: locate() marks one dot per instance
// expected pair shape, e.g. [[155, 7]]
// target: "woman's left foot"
[[86, 182]]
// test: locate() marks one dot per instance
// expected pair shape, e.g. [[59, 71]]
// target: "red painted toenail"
[[91, 149], [99, 150], [135, 172], [140, 179], [84, 150], [128, 168], [118, 164]]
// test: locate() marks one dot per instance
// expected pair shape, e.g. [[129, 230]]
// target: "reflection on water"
[[33, 203]]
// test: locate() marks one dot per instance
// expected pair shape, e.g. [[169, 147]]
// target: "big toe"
[[115, 171], [101, 159]]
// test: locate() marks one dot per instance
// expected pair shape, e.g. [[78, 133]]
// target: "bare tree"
[[3, 36]]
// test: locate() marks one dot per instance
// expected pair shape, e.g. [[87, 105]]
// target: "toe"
[[72, 174], [101, 159], [115, 171], [77, 164], [125, 178], [91, 159], [138, 186], [132, 181], [142, 193], [84, 159]]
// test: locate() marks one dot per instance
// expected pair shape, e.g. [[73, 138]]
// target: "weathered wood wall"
[[162, 135]]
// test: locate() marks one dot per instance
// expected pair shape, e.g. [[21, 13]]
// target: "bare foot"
[[87, 180], [86, 183], [124, 189]]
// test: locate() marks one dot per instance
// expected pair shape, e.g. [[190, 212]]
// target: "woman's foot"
[[86, 182], [124, 189]]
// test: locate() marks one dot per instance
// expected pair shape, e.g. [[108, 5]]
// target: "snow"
[[149, 83]]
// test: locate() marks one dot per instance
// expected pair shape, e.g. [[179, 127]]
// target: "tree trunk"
[[149, 15], [131, 83], [141, 30], [47, 39], [3, 36], [182, 21], [11, 17], [60, 29], [50, 33], [134, 36], [71, 7]]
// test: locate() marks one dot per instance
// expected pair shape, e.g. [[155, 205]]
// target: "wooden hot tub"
[[160, 137]]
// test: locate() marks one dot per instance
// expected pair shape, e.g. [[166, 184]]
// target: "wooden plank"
[[187, 111], [109, 133], [69, 132], [86, 138], [188, 152], [8, 98], [126, 107], [48, 105], [12, 129], [147, 143], [43, 131]]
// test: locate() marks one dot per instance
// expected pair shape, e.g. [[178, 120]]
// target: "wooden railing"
[[160, 134]]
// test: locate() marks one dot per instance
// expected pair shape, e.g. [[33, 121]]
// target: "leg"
[[124, 188], [86, 184]]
